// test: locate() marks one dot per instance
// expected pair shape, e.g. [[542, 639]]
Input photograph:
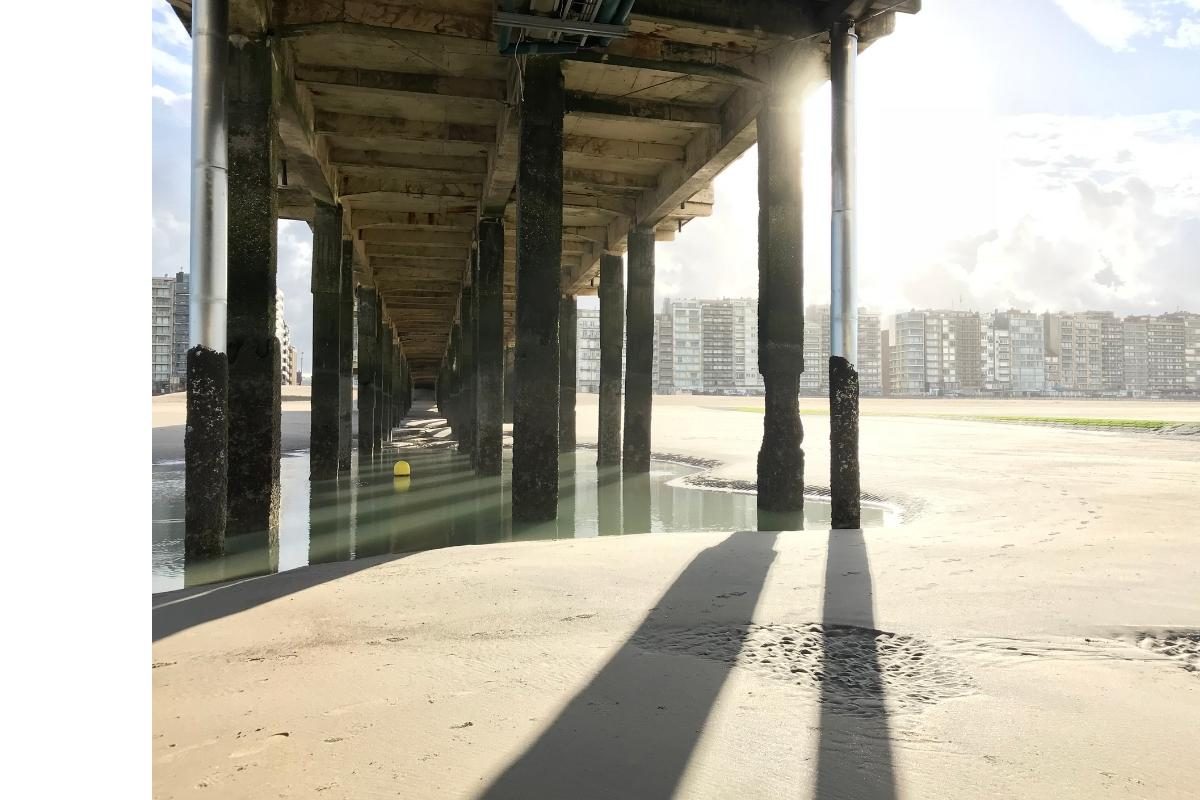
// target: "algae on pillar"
[[326, 289], [254, 355], [489, 295], [367, 343], [346, 356], [539, 278], [639, 358], [567, 320], [612, 333]]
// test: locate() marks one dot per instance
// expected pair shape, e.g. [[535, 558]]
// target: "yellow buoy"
[[400, 485], [401, 470]]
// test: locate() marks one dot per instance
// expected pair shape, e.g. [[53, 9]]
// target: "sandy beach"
[[1033, 630]]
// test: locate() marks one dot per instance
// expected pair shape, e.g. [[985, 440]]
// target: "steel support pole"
[[206, 437], [843, 307]]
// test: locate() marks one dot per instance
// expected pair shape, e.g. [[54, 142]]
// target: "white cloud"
[[1187, 35], [170, 67], [1117, 23], [169, 98], [167, 28]]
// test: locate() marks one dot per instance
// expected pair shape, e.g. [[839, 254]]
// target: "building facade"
[[817, 349], [162, 333]]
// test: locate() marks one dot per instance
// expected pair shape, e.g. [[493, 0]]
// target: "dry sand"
[[1033, 632]]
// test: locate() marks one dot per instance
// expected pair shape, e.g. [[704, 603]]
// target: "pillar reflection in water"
[[608, 500], [566, 492], [635, 503]]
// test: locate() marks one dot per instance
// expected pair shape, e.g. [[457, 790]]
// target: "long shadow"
[[854, 759], [631, 731], [179, 610]]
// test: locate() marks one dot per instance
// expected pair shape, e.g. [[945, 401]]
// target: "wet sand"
[[1034, 631]]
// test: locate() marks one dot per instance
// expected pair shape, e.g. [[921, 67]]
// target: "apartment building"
[[1013, 353], [162, 333], [817, 348], [1166, 337], [182, 334]]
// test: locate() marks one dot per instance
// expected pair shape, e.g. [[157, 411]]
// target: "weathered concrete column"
[[206, 437], [539, 278], [326, 289], [377, 335], [466, 442], [489, 295], [612, 333], [639, 358], [367, 308], [568, 316], [843, 306], [510, 381], [454, 363], [385, 380], [346, 356], [254, 392], [780, 308]]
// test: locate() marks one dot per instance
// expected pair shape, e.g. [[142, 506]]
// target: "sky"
[[1032, 154]]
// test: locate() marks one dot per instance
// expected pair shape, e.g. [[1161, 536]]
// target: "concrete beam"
[[329, 123], [580, 104], [443, 88], [703, 69]]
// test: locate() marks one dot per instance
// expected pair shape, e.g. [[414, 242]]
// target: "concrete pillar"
[[367, 308], [612, 333], [254, 357], [206, 449], [539, 278], [377, 359], [326, 289], [346, 356], [568, 315], [510, 381], [639, 357], [454, 364], [385, 383], [489, 294], [466, 442], [780, 311]]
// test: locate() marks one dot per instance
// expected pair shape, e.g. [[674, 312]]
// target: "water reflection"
[[443, 503]]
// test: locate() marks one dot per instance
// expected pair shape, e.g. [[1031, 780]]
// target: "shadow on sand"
[[631, 731], [854, 757]]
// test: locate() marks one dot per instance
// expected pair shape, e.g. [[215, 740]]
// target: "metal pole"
[[843, 373], [843, 312], [210, 34]]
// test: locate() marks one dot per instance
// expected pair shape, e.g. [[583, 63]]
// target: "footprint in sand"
[[261, 746]]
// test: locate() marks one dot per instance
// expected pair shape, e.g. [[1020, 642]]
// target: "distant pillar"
[[346, 356], [454, 360], [510, 382], [539, 277], [326, 289], [377, 357], [489, 432], [843, 307], [206, 435], [612, 332], [639, 358], [254, 357], [385, 383], [780, 309], [367, 308], [466, 442], [567, 320]]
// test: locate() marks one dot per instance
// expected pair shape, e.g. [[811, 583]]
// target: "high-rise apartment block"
[[169, 334], [815, 378]]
